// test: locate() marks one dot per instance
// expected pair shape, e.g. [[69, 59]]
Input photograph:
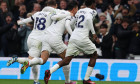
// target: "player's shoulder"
[[90, 11]]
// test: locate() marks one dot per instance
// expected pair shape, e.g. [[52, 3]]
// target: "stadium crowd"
[[117, 26]]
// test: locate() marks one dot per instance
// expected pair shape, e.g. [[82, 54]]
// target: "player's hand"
[[97, 40], [95, 36]]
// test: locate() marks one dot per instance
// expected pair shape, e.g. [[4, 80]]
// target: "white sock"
[[88, 73], [35, 72], [54, 68], [36, 61], [66, 70], [22, 60]]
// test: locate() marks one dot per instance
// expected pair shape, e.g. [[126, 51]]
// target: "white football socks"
[[66, 70], [88, 73], [22, 60], [35, 61], [35, 72], [54, 68]]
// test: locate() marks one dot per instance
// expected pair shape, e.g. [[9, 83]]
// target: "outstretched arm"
[[24, 21]]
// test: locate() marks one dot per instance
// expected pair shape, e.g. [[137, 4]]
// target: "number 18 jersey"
[[84, 23], [42, 20]]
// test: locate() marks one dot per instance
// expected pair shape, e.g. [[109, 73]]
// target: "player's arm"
[[60, 15], [24, 21], [68, 26], [91, 27]]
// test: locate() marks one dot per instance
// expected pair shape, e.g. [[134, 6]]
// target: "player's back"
[[58, 27], [42, 20], [83, 16]]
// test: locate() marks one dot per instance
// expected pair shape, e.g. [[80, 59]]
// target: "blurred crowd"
[[117, 26]]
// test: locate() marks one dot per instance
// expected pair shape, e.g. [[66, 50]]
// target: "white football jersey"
[[42, 20], [84, 23], [57, 27]]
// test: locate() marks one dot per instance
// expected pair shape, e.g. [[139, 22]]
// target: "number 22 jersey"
[[84, 23]]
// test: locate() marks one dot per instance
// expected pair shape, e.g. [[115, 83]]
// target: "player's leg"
[[66, 69], [40, 61], [91, 65], [35, 74], [64, 62], [61, 63], [34, 53], [17, 59]]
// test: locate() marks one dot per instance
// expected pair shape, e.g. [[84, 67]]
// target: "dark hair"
[[51, 3], [72, 5], [125, 20], [89, 2], [104, 26], [135, 25]]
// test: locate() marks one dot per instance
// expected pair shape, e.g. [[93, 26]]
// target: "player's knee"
[[95, 55], [67, 63]]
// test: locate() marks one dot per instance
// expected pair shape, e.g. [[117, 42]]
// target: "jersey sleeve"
[[24, 21], [93, 13], [68, 25], [90, 24], [59, 16]]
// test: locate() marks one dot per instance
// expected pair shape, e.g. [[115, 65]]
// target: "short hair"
[[125, 20], [51, 3], [89, 2], [103, 26], [71, 5], [136, 25]]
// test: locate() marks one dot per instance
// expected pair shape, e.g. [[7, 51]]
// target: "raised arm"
[[24, 21]]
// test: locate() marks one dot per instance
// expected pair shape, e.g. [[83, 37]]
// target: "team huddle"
[[49, 26]]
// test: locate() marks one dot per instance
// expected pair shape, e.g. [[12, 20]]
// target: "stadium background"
[[113, 69]]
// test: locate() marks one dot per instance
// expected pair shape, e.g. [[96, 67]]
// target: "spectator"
[[104, 42], [24, 32], [3, 30], [36, 8], [127, 10], [3, 11], [134, 47], [22, 12], [117, 4], [63, 4], [122, 33], [102, 20], [13, 41], [10, 38]]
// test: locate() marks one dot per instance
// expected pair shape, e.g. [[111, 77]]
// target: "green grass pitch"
[[10, 81]]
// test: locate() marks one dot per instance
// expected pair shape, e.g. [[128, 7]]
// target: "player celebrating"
[[55, 43], [80, 41], [42, 21]]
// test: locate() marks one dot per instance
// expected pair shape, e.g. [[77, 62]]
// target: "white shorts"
[[34, 47], [76, 46], [53, 43]]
